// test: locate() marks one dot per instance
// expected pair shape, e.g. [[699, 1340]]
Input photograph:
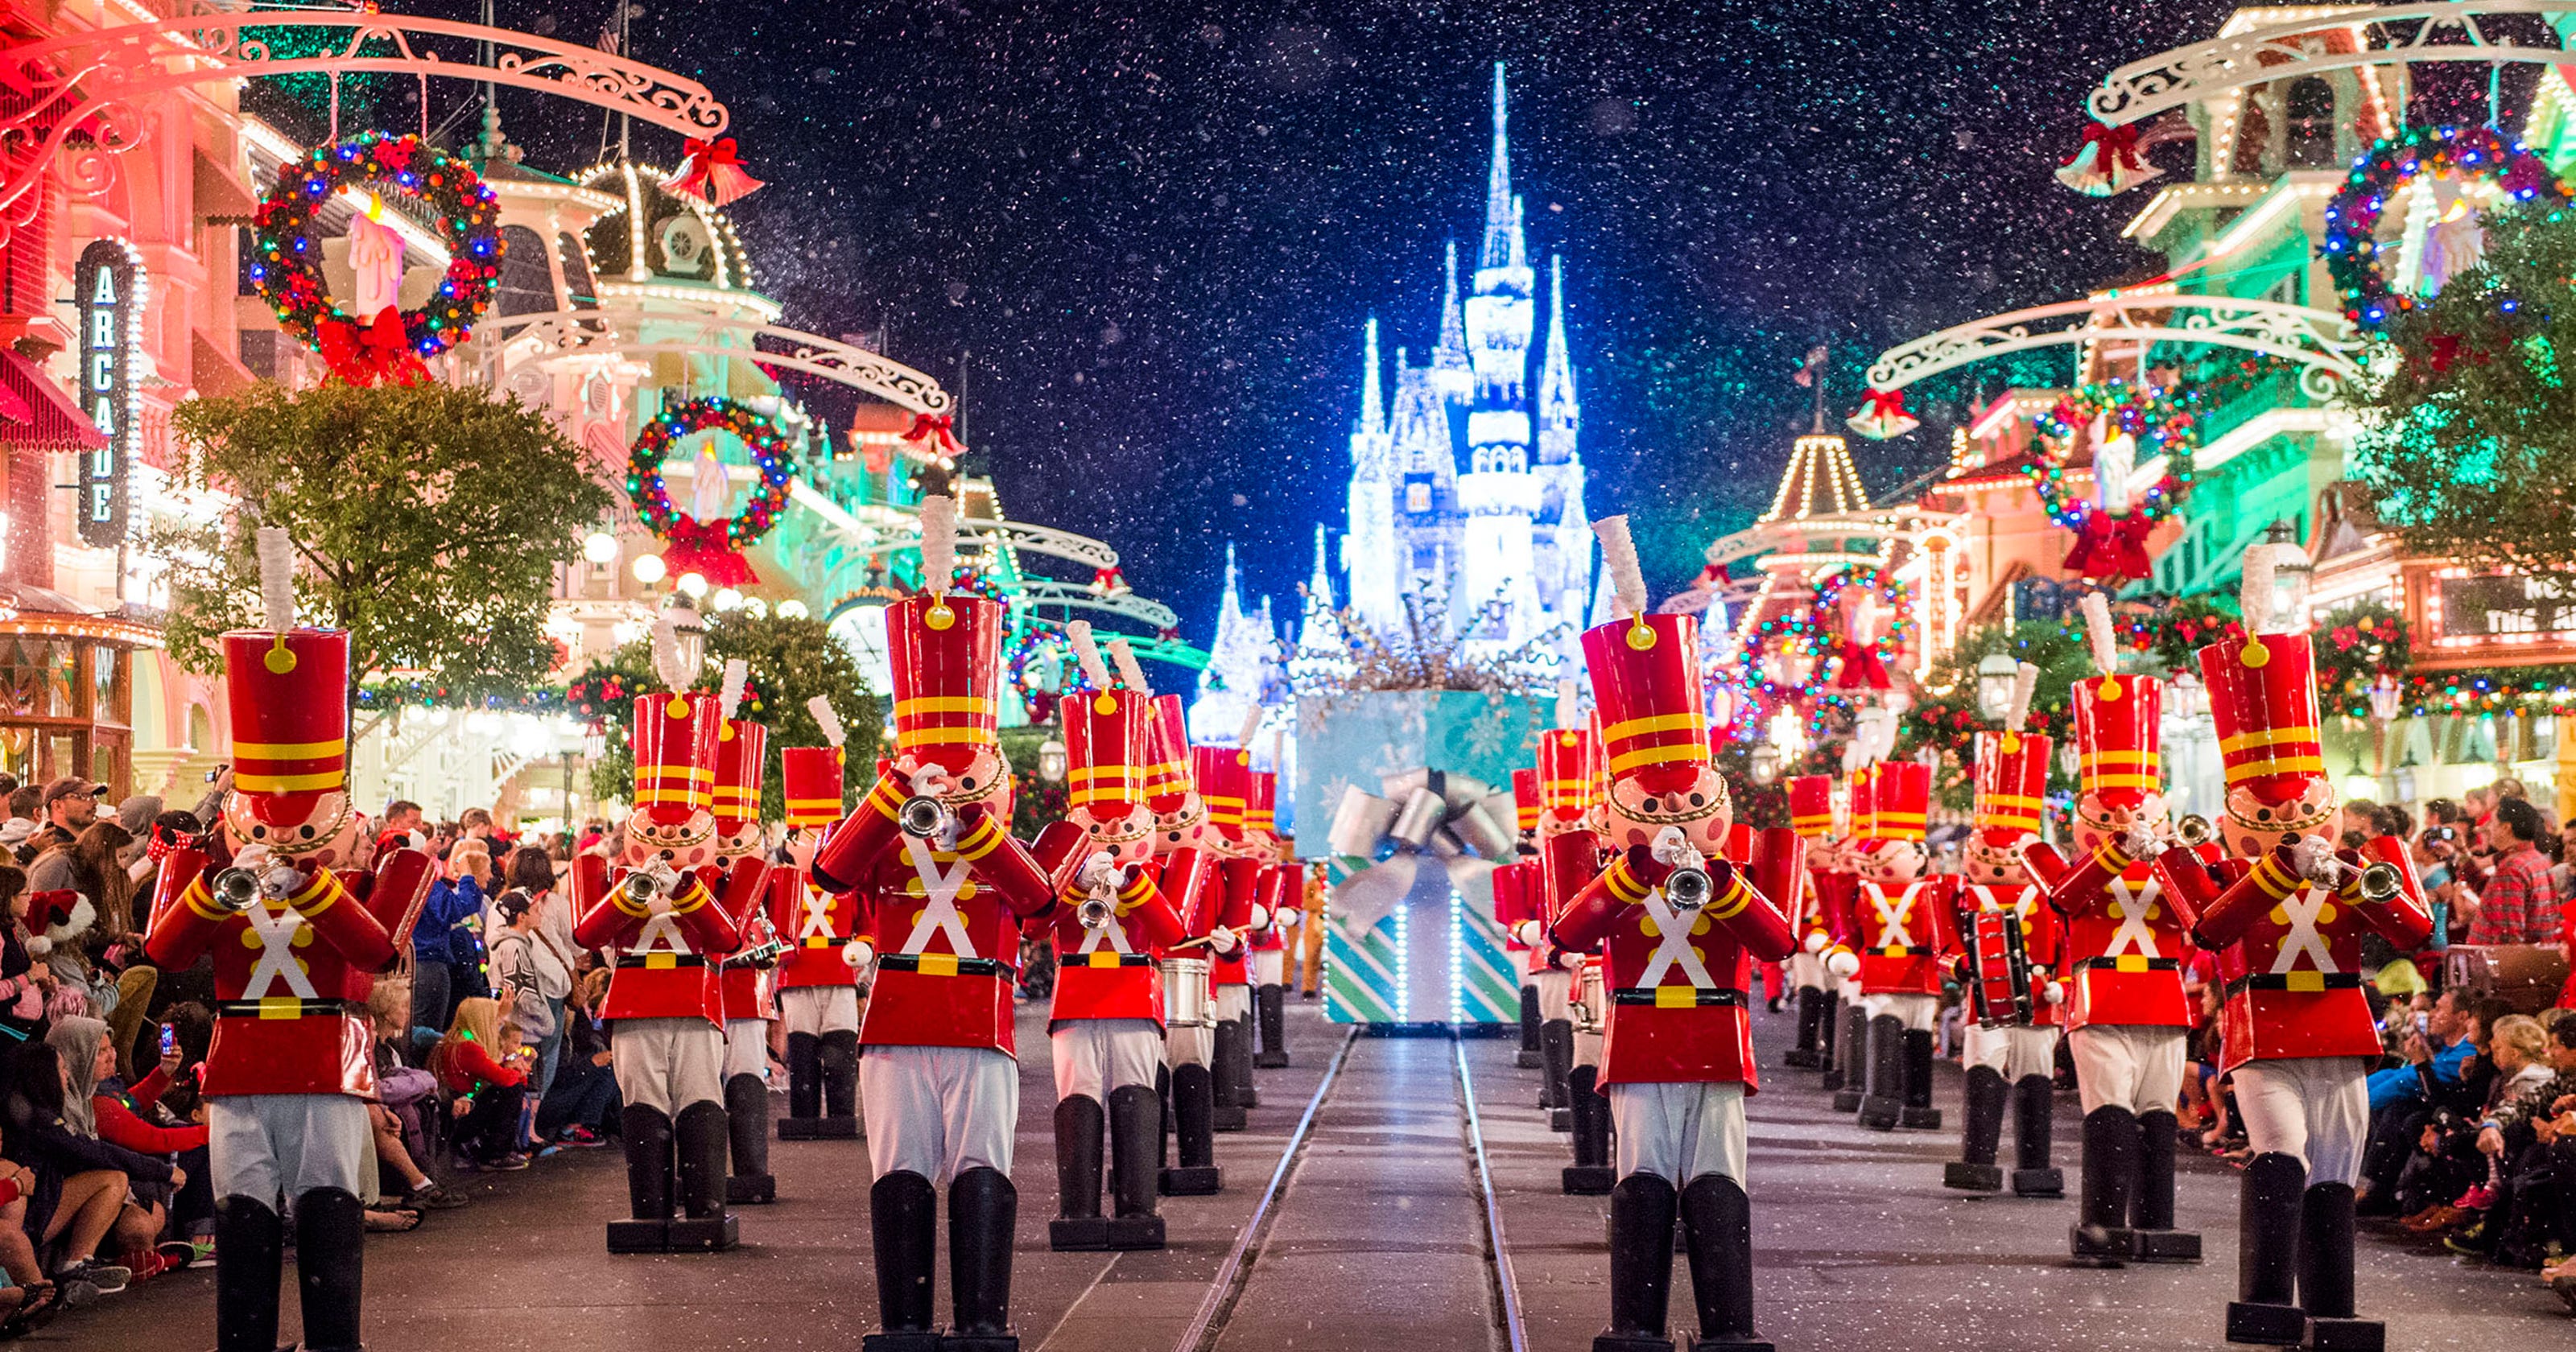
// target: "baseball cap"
[[72, 786]]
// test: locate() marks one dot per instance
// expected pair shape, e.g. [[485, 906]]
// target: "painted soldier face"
[[1127, 836], [1990, 866], [1182, 827], [1896, 862], [683, 845], [2097, 822], [323, 834], [2253, 827], [1698, 804], [743, 839], [982, 774]]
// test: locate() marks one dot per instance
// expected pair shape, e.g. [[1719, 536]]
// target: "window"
[[580, 293], [1417, 497], [527, 285], [2311, 117]]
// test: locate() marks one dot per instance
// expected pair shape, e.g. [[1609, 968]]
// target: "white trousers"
[[1806, 969], [1189, 1046], [746, 1049], [2135, 1066], [667, 1064], [274, 1148], [1916, 1011], [1587, 1048], [819, 1009], [1555, 994], [1678, 1131], [2316, 1108], [1233, 1002], [2014, 1053], [1267, 965], [1094, 1056], [938, 1111]]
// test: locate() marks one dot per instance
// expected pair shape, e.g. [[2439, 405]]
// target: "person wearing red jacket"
[[1903, 922], [946, 889], [1184, 846], [1679, 927], [820, 964], [2010, 1051], [2298, 1035], [1110, 928], [748, 977], [661, 920], [296, 949], [2123, 935]]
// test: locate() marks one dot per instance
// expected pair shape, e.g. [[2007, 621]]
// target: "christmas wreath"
[[287, 268], [711, 549], [2389, 167], [2357, 646]]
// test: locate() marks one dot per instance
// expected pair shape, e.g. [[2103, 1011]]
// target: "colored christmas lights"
[[711, 549], [2390, 167]]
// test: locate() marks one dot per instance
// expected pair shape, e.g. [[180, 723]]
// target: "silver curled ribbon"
[[1463, 823]]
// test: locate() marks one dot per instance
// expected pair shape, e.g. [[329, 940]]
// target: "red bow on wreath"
[[2441, 349], [713, 172], [1882, 415], [936, 428], [2110, 548], [1861, 666], [2107, 162], [708, 551], [378, 351]]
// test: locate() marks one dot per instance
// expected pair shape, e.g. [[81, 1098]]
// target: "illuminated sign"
[[2487, 609], [107, 289]]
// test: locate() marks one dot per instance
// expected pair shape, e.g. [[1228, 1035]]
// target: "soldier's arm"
[[602, 915], [1002, 863], [2260, 888], [1617, 889], [185, 917], [1148, 914], [397, 888], [344, 923]]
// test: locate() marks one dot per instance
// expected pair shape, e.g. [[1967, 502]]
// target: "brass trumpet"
[[1689, 887], [640, 887], [236, 888], [923, 817], [2194, 830], [1095, 912]]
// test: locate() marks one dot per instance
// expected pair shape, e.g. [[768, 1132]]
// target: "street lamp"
[[1766, 763], [2190, 697], [2291, 574], [1051, 761], [1997, 674], [650, 569], [599, 547], [691, 632]]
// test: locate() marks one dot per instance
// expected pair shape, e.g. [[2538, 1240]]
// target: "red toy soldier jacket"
[[2124, 937], [1901, 934], [2039, 937], [2290, 953], [1109, 973], [1676, 982], [813, 927], [947, 944], [742, 752], [666, 964]]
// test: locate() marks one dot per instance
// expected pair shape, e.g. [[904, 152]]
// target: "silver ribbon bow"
[[1461, 822]]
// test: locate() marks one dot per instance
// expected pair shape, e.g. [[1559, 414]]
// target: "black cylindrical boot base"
[[1528, 1058]]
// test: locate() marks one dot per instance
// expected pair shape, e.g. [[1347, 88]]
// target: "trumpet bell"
[[2381, 883], [639, 887], [1094, 913], [236, 888], [2194, 830], [1688, 887], [921, 817]]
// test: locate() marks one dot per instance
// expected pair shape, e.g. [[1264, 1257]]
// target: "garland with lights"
[[1809, 632], [287, 271], [711, 549], [2471, 154]]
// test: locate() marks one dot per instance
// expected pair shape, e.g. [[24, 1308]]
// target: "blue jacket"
[[441, 935]]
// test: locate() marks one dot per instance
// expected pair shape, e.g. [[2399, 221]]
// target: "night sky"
[[1158, 228]]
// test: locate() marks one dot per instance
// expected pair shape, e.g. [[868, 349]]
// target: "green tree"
[[2470, 433], [791, 661], [428, 521]]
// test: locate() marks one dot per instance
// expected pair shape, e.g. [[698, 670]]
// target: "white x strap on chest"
[[816, 913], [1115, 933], [1673, 946], [1891, 921], [2302, 908], [661, 934], [276, 931], [939, 901], [2133, 936]]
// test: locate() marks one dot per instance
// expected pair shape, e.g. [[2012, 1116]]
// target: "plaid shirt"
[[2514, 908]]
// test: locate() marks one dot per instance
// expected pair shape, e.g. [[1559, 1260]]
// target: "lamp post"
[[1051, 761], [691, 632], [1996, 674], [2291, 574], [1766, 763]]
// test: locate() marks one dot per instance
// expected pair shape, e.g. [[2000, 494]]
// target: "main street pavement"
[[1379, 1236]]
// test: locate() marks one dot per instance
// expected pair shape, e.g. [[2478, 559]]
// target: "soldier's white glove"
[[1570, 960], [2142, 842], [1291, 918], [659, 903], [1816, 941], [858, 953], [1260, 916], [1674, 848], [2054, 992], [1529, 932], [1098, 872], [1223, 939], [930, 781], [254, 858], [1843, 963], [2314, 859]]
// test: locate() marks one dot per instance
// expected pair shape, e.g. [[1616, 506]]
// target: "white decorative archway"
[[2320, 341], [2384, 35], [557, 334]]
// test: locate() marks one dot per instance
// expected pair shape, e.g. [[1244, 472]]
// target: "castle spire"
[[1557, 406], [1502, 210], [1453, 371], [1230, 605], [1372, 393], [1319, 588]]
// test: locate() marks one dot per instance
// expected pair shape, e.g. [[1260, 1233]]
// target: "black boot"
[[2034, 1175], [646, 1134], [1829, 1021], [1718, 1220], [1641, 1266], [1163, 1128], [1811, 1013], [2151, 1210], [747, 1126], [1246, 1094], [982, 1210], [804, 1087], [1135, 1130], [702, 1226], [2267, 1254], [1980, 1131], [1882, 1104], [1556, 1061], [1271, 1003], [2100, 1237], [1528, 1057], [1850, 1077], [903, 1214], [839, 1054], [330, 1239], [250, 1247], [1223, 1075], [2325, 1273], [1193, 1125], [1919, 1114], [1589, 1175], [1078, 1226]]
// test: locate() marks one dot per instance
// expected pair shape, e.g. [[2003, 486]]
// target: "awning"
[[34, 411]]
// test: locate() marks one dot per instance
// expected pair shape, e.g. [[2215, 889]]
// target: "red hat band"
[[2263, 699], [946, 658], [2119, 736], [1566, 757], [1108, 737], [1900, 799], [289, 698], [1167, 776], [2012, 783], [742, 750], [1645, 678], [1261, 802], [675, 755], [1811, 806], [810, 778]]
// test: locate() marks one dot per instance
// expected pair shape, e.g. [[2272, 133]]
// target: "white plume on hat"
[[1130, 671], [1569, 703], [2025, 685], [1087, 652], [825, 718], [666, 655], [737, 676], [938, 542], [1251, 726], [277, 578], [1619, 558], [2254, 593], [2099, 633]]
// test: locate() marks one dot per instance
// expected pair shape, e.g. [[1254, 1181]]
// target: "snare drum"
[[1591, 1000], [1999, 987], [1185, 994]]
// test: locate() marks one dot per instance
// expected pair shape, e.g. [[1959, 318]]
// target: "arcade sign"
[[107, 292]]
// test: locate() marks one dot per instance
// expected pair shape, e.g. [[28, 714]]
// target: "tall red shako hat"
[[2119, 721], [1864, 810], [1108, 737], [1900, 799], [2012, 772], [1645, 680], [675, 755], [1525, 802], [1565, 779], [742, 754], [2263, 697], [288, 691], [1221, 773], [1168, 783], [809, 777], [1811, 806], [945, 650]]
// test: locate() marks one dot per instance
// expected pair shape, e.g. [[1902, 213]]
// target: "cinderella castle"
[[1466, 495]]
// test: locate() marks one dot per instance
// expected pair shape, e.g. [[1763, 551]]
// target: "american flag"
[[1815, 363]]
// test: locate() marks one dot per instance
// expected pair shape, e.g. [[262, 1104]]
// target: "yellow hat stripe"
[[911, 737], [1660, 755], [2005, 800], [1640, 727], [2260, 737], [942, 704], [2276, 765], [290, 750], [666, 771], [328, 779]]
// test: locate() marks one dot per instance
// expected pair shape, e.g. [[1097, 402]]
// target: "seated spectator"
[[404, 1093], [96, 1105], [31, 1301], [81, 1182], [479, 1062], [24, 982], [2526, 1197], [583, 1105]]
